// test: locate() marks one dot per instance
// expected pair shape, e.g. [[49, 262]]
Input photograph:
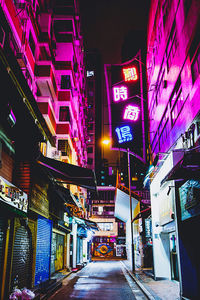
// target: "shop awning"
[[143, 214], [187, 168], [88, 223], [69, 173], [65, 194]]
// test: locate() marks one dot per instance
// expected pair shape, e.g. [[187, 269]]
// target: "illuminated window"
[[131, 113], [124, 134], [130, 74], [105, 226], [90, 73], [120, 93]]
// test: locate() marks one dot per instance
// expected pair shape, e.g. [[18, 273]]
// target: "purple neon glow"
[[120, 93], [124, 134], [131, 113]]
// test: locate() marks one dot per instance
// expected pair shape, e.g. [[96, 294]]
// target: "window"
[[172, 46], [32, 43], [65, 82], [90, 126], [90, 73], [90, 149], [164, 134], [64, 147], [90, 161], [176, 102], [195, 68], [105, 226], [64, 114]]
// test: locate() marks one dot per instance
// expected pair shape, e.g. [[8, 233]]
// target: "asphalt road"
[[100, 280]]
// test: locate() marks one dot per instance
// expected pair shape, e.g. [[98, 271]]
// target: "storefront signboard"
[[12, 195], [190, 199]]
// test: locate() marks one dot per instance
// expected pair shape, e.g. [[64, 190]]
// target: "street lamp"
[[106, 141]]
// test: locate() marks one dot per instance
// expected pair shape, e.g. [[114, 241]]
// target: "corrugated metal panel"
[[21, 265], [57, 252], [42, 266], [7, 166], [33, 227], [2, 238]]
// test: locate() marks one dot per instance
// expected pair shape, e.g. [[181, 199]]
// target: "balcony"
[[45, 106], [64, 95], [45, 79]]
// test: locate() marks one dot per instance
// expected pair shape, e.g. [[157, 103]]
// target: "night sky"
[[105, 23]]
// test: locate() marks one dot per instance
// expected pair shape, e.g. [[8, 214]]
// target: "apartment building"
[[44, 179], [174, 107]]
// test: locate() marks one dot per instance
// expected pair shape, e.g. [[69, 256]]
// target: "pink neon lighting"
[[120, 93], [130, 74], [131, 113]]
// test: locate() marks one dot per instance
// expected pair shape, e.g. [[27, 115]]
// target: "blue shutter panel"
[[43, 250]]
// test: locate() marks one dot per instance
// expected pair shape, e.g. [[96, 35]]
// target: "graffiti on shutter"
[[57, 249]]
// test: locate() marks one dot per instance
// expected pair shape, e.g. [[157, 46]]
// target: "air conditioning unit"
[[56, 154]]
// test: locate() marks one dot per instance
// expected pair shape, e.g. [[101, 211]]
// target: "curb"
[[141, 286]]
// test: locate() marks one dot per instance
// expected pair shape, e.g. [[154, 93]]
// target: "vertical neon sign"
[[125, 104]]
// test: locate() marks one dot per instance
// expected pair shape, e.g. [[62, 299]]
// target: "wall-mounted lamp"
[[169, 189]]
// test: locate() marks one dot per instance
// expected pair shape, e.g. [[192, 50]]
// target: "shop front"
[[58, 246], [15, 238], [186, 174], [164, 221]]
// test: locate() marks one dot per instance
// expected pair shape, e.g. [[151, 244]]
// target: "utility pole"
[[131, 213]]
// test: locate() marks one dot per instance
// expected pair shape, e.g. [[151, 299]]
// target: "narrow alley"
[[100, 280]]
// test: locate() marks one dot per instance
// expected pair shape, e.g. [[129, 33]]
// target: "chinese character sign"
[[131, 113], [124, 134], [130, 74], [125, 103], [120, 93]]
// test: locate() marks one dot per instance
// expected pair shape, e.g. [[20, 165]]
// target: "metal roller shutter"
[[3, 223], [21, 264], [43, 250]]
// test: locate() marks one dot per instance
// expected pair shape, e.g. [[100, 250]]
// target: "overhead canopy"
[[66, 195], [187, 168], [88, 223], [69, 173]]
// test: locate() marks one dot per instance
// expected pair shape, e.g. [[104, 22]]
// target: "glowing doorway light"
[[131, 113], [130, 74], [120, 93], [124, 134]]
